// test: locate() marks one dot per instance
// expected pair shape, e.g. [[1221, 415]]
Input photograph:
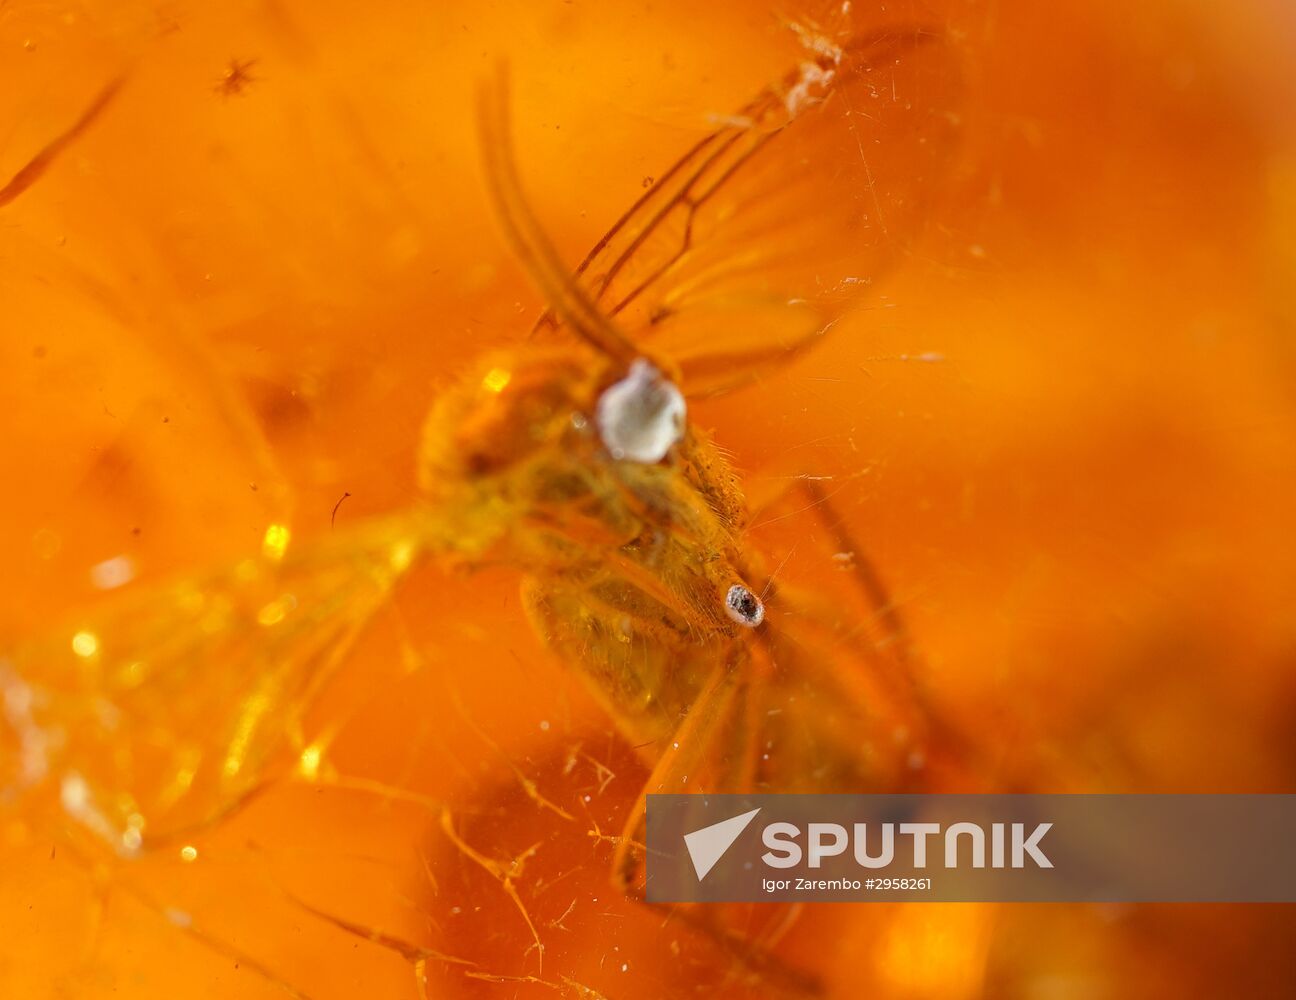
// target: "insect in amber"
[[237, 77], [570, 458]]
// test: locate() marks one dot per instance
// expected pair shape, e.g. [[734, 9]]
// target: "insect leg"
[[898, 658], [819, 502], [41, 162], [106, 882], [692, 744], [683, 766]]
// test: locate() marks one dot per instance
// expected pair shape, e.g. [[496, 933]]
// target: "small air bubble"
[[276, 611], [113, 573], [743, 606]]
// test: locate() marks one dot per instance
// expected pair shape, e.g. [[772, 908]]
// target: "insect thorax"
[[513, 466]]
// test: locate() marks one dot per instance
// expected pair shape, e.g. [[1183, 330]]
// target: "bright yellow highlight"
[[85, 644], [188, 853], [496, 379], [401, 556], [310, 762], [275, 543], [254, 710]]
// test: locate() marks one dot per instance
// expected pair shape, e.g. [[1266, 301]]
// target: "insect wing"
[[160, 713], [770, 227]]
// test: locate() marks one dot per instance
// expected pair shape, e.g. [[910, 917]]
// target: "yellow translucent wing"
[[159, 713], [771, 226]]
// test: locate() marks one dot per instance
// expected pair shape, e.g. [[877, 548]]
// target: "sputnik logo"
[[708, 845]]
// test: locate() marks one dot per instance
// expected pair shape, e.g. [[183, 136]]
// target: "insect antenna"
[[41, 162], [525, 234]]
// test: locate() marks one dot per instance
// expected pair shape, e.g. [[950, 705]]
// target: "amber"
[[1061, 427]]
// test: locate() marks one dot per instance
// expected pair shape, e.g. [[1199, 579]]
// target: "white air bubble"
[[113, 573], [642, 416]]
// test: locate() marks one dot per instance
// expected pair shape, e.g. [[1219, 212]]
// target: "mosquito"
[[571, 458]]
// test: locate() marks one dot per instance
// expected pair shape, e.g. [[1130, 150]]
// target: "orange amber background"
[[221, 310]]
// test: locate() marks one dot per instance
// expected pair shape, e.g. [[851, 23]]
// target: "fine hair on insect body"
[[570, 458]]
